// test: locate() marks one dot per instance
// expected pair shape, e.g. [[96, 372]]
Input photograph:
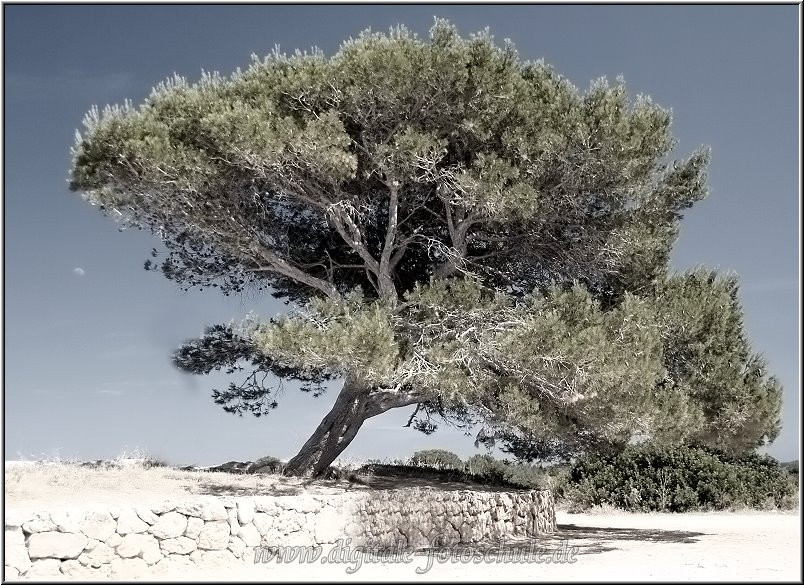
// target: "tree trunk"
[[355, 404]]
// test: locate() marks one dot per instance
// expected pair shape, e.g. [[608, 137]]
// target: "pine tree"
[[457, 229]]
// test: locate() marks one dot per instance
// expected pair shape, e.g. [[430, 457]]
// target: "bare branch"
[[281, 266], [385, 281], [339, 216]]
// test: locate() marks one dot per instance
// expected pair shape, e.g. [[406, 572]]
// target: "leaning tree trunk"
[[355, 404]]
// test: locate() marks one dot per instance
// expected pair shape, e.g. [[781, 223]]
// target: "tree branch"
[[385, 281], [281, 266], [383, 401], [350, 233]]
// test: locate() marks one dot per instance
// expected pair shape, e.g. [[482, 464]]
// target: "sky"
[[88, 333]]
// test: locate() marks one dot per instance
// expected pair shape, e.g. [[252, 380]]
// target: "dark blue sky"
[[88, 332]]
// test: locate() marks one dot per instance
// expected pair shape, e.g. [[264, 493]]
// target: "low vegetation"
[[640, 478], [680, 479], [441, 465]]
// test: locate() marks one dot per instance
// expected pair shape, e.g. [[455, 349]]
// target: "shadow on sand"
[[220, 489], [599, 539], [574, 532], [583, 540]]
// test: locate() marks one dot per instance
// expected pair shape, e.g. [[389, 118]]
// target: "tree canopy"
[[456, 228]]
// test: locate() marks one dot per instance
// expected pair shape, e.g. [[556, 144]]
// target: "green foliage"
[[437, 458], [458, 228], [678, 479], [267, 464], [713, 379], [550, 362], [285, 157], [484, 468]]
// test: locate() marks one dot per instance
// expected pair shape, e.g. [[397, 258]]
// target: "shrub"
[[437, 459], [486, 468], [677, 479], [526, 476], [267, 464], [556, 478], [483, 469]]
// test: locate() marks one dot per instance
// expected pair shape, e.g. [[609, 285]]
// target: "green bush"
[[485, 466], [486, 469], [556, 478], [677, 479], [437, 459], [526, 476]]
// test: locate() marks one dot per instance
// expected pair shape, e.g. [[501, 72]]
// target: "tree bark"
[[354, 405]]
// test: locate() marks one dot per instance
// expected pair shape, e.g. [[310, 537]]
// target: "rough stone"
[[163, 508], [286, 523], [100, 555], [104, 571], [299, 538], [214, 536], [299, 504], [328, 525], [263, 522], [152, 555], [41, 522], [245, 511], [234, 525], [180, 545], [217, 559], [16, 554], [415, 538], [72, 568], [67, 520], [309, 522], [114, 540], [43, 569], [250, 535], [147, 516], [99, 525], [194, 526], [208, 509], [466, 533], [408, 517], [237, 546], [266, 505], [16, 518], [169, 525], [55, 545], [195, 556], [128, 568], [136, 545], [128, 522]]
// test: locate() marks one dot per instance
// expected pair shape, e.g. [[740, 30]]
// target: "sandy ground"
[[610, 547], [604, 546]]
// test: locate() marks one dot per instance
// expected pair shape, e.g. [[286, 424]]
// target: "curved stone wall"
[[105, 542]]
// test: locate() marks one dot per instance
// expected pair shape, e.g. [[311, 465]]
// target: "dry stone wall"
[[109, 542]]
